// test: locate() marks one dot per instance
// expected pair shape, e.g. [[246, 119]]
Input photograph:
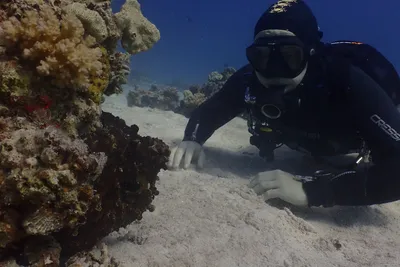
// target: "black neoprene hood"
[[294, 16]]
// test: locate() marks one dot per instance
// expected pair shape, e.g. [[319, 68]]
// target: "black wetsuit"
[[332, 121]]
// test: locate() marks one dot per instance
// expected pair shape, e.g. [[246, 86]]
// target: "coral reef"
[[47, 54], [127, 184], [195, 95], [216, 80], [69, 173], [64, 193], [190, 102]]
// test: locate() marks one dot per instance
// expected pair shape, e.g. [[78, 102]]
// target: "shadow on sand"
[[342, 216], [246, 163]]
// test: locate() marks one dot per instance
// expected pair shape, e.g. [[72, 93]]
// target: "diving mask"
[[277, 57]]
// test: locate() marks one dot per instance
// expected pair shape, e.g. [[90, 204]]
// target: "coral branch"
[[57, 48]]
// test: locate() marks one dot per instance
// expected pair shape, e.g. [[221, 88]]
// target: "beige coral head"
[[92, 21], [138, 33], [55, 46]]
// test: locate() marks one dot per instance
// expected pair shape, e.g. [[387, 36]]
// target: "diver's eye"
[[293, 55], [258, 57]]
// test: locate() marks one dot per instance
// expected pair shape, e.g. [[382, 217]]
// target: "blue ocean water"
[[198, 37]]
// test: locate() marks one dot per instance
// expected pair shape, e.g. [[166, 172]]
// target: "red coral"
[[46, 101], [38, 109], [43, 102]]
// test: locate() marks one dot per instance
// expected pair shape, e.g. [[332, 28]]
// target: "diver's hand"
[[187, 150], [279, 184]]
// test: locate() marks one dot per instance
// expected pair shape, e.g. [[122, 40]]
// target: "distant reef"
[[168, 98]]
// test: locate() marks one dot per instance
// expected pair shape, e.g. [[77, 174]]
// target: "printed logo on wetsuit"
[[385, 127]]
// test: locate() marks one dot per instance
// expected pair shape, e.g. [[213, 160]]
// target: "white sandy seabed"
[[209, 218]]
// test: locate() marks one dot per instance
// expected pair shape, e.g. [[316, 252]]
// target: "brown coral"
[[42, 252], [97, 257], [126, 185], [47, 176], [56, 187]]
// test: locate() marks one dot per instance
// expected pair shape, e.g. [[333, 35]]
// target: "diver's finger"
[[269, 184], [258, 189], [201, 159], [171, 157], [263, 186], [263, 176], [179, 154], [190, 149], [273, 193]]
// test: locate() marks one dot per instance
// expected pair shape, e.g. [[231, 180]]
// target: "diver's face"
[[278, 59]]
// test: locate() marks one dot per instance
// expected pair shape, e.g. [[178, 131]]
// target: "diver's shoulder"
[[245, 69], [243, 72], [240, 79]]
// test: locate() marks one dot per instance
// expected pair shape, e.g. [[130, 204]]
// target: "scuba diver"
[[324, 99]]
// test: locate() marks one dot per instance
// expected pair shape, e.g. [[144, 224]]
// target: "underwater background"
[[92, 103], [198, 37]]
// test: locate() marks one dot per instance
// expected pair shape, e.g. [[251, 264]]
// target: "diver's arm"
[[219, 109], [378, 121]]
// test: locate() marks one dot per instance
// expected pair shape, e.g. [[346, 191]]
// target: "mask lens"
[[277, 58], [293, 56], [258, 57]]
